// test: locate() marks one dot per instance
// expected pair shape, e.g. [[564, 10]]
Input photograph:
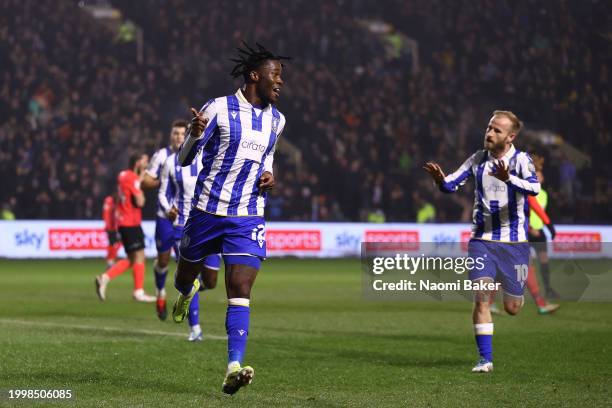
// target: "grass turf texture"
[[314, 342]]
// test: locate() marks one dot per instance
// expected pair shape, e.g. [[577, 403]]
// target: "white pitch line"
[[106, 328]]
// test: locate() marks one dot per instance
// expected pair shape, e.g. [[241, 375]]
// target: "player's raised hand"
[[198, 123], [435, 171], [501, 171], [266, 181]]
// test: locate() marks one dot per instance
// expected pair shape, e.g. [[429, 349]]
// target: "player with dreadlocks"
[[238, 135]]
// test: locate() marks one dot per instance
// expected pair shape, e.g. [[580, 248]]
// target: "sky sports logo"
[[393, 240], [75, 239], [27, 238], [293, 240], [564, 241], [577, 242]]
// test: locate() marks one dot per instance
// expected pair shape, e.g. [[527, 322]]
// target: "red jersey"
[[108, 214], [128, 214]]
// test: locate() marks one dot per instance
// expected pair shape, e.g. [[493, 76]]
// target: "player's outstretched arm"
[[189, 148], [435, 171], [450, 183]]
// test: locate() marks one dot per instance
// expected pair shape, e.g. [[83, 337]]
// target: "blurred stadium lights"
[[398, 46], [553, 140], [126, 31]]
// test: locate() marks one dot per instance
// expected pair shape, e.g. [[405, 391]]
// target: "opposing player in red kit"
[[129, 217], [110, 226]]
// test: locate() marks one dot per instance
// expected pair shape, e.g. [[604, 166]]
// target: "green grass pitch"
[[314, 342]]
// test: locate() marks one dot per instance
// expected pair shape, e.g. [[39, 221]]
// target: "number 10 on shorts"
[[521, 273]]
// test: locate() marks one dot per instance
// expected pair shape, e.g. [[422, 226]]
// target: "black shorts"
[[132, 238], [113, 237]]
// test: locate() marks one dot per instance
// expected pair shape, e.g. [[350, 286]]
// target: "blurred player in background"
[[208, 280], [538, 219], [180, 183], [537, 222], [238, 134], [129, 217], [504, 177], [164, 234], [110, 226]]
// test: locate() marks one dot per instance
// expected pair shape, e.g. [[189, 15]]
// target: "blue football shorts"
[[509, 260], [241, 240]]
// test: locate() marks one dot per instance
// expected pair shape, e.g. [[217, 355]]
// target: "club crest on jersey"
[[275, 122], [259, 234], [185, 241]]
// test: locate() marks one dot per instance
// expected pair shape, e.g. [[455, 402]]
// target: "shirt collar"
[[506, 156], [510, 152], [240, 96], [242, 99]]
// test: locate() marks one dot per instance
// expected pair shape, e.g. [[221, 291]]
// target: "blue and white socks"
[[160, 279], [194, 311], [484, 339], [237, 327]]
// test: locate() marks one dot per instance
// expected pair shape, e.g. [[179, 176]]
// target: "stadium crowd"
[[75, 103]]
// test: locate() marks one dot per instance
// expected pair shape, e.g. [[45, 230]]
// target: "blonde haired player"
[[504, 177]]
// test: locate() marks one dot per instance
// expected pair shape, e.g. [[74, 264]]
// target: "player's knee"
[[240, 290], [244, 291], [137, 257], [240, 280], [512, 308], [162, 263]]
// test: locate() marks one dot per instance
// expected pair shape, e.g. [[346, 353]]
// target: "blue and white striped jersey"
[[154, 170], [180, 183], [237, 145], [500, 209]]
